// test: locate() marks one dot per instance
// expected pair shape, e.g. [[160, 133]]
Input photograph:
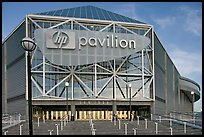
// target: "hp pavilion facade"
[[114, 65]]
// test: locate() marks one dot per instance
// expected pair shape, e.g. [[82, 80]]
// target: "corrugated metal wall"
[[166, 82], [16, 72]]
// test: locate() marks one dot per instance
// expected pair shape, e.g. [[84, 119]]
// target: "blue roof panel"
[[90, 12]]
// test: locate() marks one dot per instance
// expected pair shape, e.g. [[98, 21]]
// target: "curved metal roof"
[[90, 12]]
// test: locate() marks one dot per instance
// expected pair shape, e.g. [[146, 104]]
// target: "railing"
[[171, 117], [11, 120]]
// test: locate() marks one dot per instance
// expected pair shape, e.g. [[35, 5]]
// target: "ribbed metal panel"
[[17, 106], [3, 89], [16, 78], [14, 48], [16, 71], [170, 94]]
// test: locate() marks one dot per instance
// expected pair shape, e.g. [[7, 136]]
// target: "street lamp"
[[29, 45], [66, 85], [130, 86], [192, 93]]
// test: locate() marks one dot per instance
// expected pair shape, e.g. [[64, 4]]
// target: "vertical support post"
[[64, 122], [61, 124], [10, 120], [143, 73], [151, 116], [114, 83], [130, 86], [30, 95], [119, 124], [126, 128], [170, 122], [92, 125], [5, 132], [134, 131], [21, 129], [95, 72], [156, 127], [72, 85], [171, 131], [19, 117], [43, 118], [145, 123], [153, 72], [67, 85], [184, 128], [93, 131], [159, 119], [114, 120], [50, 131], [38, 121], [138, 120], [57, 129], [43, 74]]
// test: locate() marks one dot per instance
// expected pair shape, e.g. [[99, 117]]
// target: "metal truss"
[[114, 74]]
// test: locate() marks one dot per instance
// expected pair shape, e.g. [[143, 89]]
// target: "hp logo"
[[60, 38]]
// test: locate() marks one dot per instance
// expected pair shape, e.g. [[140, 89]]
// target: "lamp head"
[[66, 84], [28, 44]]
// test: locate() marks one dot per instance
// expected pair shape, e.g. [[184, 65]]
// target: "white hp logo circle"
[[60, 38]]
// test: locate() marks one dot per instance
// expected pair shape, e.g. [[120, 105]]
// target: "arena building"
[[112, 65]]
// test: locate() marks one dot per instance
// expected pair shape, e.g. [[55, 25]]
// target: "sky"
[[177, 24]]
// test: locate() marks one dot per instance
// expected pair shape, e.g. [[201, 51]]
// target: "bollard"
[[10, 120], [5, 132], [194, 121], [93, 131], [151, 116], [21, 129], [126, 128], [57, 129], [50, 131], [134, 131], [138, 120], [145, 123], [64, 122], [61, 124], [92, 126], [38, 121], [156, 127], [170, 122], [180, 117], [118, 123], [114, 120], [171, 131], [184, 124], [159, 119], [44, 118], [19, 117]]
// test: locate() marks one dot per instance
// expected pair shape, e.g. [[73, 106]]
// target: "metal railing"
[[11, 120]]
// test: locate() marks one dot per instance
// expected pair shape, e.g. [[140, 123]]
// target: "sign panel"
[[78, 47]]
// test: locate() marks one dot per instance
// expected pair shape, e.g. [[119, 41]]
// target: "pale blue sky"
[[177, 24]]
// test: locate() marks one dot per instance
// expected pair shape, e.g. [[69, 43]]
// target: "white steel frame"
[[114, 74]]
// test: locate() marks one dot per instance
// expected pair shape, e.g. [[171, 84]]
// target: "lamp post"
[[192, 93], [66, 85], [29, 45], [130, 86]]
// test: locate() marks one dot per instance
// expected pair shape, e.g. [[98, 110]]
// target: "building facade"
[[114, 65]]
